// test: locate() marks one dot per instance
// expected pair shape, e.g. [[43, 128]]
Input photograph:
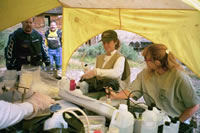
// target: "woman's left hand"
[[89, 74], [110, 93]]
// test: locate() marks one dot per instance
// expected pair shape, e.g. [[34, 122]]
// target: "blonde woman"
[[165, 81]]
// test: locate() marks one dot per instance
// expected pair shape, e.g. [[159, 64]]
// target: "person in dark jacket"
[[25, 46]]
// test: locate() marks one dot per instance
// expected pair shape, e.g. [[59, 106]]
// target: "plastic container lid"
[[175, 120], [150, 108], [167, 123], [123, 107], [77, 87], [153, 104]]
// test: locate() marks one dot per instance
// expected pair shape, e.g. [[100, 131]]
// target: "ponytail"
[[161, 53], [172, 62]]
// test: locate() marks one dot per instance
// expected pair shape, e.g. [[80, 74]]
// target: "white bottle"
[[123, 120], [83, 86], [86, 68], [64, 84], [149, 121], [138, 124], [174, 125], [160, 116], [113, 130], [167, 128]]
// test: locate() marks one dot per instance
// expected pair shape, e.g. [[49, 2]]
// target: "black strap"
[[74, 124]]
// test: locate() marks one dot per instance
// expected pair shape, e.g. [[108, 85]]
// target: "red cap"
[[97, 131]]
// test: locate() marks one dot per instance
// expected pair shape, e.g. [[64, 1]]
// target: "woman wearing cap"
[[165, 82], [112, 64]]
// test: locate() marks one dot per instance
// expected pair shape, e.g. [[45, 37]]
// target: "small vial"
[[108, 101], [72, 85]]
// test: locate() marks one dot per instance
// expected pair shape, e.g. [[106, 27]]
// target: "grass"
[[72, 66], [136, 64], [76, 59], [2, 61], [90, 60], [75, 62]]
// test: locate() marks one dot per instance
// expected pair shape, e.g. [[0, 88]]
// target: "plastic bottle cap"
[[140, 115], [77, 87], [176, 118], [167, 123], [153, 104], [173, 120], [150, 108], [123, 107], [135, 98]]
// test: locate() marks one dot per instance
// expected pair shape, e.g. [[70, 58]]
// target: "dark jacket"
[[23, 48]]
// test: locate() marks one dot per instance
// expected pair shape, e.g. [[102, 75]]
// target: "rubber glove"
[[89, 74], [40, 103]]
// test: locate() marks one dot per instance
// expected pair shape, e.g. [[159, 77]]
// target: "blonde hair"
[[161, 53]]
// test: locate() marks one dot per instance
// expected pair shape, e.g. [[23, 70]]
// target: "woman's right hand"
[[89, 74]]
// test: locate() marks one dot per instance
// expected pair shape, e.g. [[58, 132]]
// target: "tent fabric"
[[193, 3], [14, 11], [177, 29], [133, 4]]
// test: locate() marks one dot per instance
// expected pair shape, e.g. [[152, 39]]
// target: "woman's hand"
[[189, 112], [40, 103], [89, 74], [121, 95], [110, 93]]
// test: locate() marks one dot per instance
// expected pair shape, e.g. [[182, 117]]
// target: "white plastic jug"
[[83, 86], [123, 120], [161, 116], [149, 121], [174, 125], [167, 128]]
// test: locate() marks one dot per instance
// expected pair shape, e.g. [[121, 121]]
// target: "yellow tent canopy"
[[14, 11], [126, 4], [178, 29], [172, 23]]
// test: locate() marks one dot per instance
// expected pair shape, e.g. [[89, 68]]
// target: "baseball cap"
[[109, 35]]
